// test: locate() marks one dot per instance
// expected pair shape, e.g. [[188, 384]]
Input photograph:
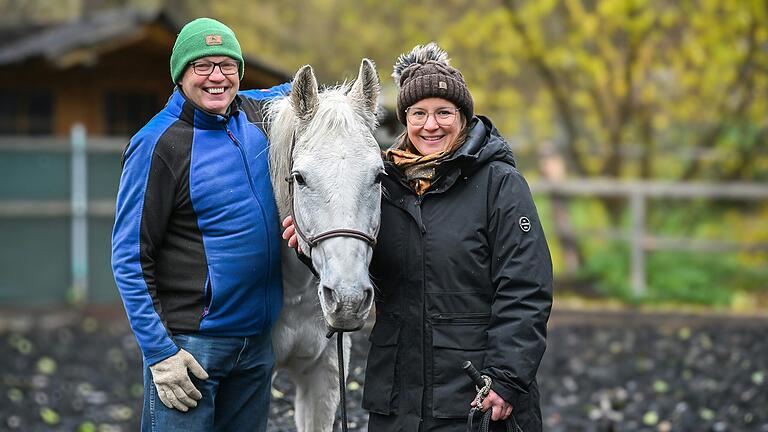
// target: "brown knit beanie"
[[425, 72]]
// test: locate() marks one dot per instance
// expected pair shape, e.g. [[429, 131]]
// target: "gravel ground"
[[602, 372]]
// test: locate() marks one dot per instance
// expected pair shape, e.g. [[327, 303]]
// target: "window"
[[26, 112], [128, 111]]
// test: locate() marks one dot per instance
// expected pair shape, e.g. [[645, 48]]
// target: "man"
[[195, 247]]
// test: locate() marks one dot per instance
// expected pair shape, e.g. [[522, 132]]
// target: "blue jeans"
[[236, 394]]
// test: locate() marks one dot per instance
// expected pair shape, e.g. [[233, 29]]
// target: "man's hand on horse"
[[171, 377], [501, 410], [289, 233]]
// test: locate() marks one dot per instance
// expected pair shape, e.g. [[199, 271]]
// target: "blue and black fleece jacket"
[[195, 246]]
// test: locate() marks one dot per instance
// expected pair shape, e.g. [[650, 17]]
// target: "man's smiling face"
[[213, 92]]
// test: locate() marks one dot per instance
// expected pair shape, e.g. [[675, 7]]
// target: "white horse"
[[323, 143]]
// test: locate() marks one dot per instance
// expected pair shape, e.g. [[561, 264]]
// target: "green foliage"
[[704, 278], [608, 268], [690, 278]]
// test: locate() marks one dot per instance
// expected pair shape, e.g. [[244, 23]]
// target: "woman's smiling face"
[[440, 128]]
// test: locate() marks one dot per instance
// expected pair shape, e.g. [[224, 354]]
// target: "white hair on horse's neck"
[[337, 114], [282, 121]]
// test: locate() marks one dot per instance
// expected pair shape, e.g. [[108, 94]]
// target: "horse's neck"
[[280, 126], [299, 283]]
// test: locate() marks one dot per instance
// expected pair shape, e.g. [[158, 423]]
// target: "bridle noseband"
[[313, 241]]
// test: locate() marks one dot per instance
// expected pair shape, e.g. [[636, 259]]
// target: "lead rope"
[[483, 386], [342, 386]]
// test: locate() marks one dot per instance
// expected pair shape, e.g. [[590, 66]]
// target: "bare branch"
[[743, 84], [614, 162], [555, 88]]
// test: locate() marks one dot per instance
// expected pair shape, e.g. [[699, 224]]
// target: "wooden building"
[[109, 71]]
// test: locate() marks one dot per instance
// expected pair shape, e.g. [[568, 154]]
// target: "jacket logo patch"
[[525, 224], [213, 39]]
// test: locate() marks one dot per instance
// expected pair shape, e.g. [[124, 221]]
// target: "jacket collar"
[[484, 144], [183, 108]]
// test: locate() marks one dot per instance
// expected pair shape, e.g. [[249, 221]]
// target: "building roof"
[[97, 30]]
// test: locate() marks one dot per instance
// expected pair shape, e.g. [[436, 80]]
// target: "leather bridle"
[[313, 240]]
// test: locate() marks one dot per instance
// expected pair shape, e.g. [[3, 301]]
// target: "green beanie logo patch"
[[213, 40]]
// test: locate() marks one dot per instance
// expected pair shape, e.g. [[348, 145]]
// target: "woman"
[[462, 266]]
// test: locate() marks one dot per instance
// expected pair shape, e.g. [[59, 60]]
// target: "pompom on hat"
[[203, 37], [425, 72]]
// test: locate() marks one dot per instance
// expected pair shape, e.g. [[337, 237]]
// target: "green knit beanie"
[[201, 38]]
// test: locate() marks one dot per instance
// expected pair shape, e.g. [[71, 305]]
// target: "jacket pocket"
[[207, 294], [380, 369], [455, 340]]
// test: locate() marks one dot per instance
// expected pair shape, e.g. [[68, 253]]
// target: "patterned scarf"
[[419, 170]]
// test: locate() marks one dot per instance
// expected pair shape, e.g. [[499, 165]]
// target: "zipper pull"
[[420, 222], [232, 137]]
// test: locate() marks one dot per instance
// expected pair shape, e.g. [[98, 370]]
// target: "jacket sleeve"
[[256, 103], [521, 272], [270, 93], [145, 200]]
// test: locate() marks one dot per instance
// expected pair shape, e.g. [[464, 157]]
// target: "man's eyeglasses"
[[443, 116], [205, 68]]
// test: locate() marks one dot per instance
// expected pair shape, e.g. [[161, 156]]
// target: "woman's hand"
[[501, 410], [289, 233]]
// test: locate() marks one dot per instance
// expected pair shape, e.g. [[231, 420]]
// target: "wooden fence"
[[637, 194]]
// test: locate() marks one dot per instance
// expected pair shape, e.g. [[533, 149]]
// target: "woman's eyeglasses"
[[443, 116]]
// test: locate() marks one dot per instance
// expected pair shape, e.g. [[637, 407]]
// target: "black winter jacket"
[[463, 273]]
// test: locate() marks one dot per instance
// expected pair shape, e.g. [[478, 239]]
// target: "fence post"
[[79, 204], [637, 243]]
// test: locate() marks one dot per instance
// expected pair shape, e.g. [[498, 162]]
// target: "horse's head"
[[336, 193]]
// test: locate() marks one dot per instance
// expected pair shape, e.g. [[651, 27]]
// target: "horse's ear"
[[304, 93], [365, 91]]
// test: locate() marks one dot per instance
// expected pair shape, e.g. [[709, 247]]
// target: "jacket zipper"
[[267, 318], [245, 160], [467, 318], [423, 231], [419, 220]]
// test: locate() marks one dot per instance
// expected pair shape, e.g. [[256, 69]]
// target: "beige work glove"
[[174, 387]]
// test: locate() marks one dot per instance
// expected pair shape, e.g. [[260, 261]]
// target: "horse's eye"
[[299, 179]]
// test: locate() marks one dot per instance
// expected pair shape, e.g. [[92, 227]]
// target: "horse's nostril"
[[365, 305], [330, 296]]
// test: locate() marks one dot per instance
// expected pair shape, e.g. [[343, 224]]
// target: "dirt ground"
[[617, 370]]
